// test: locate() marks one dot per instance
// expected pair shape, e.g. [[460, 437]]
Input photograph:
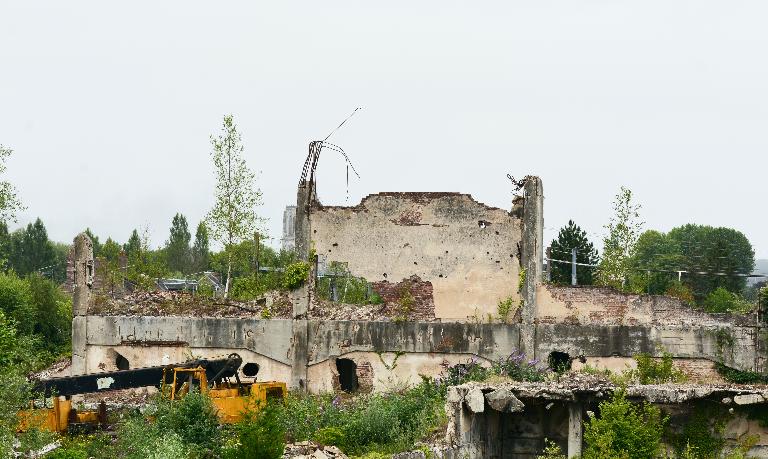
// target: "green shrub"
[[295, 275], [740, 377], [460, 373], [384, 422], [624, 430], [260, 435], [651, 371], [137, 438], [680, 291], [302, 414], [517, 367], [77, 452], [702, 433], [504, 308], [551, 451], [721, 300], [16, 302], [331, 436], [193, 419]]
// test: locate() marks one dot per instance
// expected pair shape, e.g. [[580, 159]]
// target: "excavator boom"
[[215, 370]]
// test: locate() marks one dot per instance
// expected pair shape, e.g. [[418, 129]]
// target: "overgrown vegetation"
[[740, 377], [657, 371], [405, 302], [382, 422], [505, 308], [339, 285], [624, 430], [702, 433], [295, 275], [721, 300]]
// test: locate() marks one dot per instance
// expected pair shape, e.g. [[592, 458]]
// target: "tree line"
[[702, 265]]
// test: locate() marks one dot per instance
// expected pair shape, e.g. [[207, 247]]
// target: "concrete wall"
[[466, 250], [391, 352], [422, 346]]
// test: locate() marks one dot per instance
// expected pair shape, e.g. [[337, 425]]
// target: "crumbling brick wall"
[[411, 299], [466, 251], [587, 305]]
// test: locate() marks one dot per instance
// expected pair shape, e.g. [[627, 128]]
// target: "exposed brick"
[[423, 307]]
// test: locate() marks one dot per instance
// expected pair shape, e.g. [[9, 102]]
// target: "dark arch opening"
[[559, 361], [121, 362], [347, 375], [251, 369]]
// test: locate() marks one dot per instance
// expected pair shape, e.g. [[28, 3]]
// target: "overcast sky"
[[109, 106]]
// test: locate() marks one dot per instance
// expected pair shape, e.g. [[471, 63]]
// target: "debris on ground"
[[57, 369], [328, 310], [311, 450], [273, 304]]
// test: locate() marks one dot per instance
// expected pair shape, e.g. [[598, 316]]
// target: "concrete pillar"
[[532, 253], [83, 283], [301, 224], [574, 429], [301, 296], [299, 354]]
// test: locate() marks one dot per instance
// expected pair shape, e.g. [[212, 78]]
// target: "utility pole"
[[256, 248], [573, 267]]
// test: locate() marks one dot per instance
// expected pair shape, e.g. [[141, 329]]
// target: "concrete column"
[[299, 354], [83, 283], [532, 253], [574, 429]]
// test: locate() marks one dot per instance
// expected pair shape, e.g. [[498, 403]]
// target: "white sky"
[[109, 106]]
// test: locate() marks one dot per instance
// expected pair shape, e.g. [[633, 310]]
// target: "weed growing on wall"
[[653, 371], [404, 304], [740, 377], [702, 433], [517, 367], [504, 309], [295, 275]]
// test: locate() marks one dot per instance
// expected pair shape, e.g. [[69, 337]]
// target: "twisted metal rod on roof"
[[313, 157]]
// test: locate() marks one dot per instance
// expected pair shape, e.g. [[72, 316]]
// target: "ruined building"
[[455, 259]]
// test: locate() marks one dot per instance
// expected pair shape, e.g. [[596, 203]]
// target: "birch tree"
[[620, 245], [233, 217]]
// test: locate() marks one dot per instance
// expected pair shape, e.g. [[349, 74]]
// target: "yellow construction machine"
[[212, 377]]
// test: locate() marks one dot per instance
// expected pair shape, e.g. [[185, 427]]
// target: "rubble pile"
[[57, 369], [310, 450], [328, 310], [275, 304], [505, 396]]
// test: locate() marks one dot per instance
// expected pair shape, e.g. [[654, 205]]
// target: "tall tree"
[[233, 217], [10, 203], [656, 258], [31, 249], [201, 252], [572, 236], [177, 251], [133, 245], [5, 246], [714, 257], [109, 265], [619, 245]]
